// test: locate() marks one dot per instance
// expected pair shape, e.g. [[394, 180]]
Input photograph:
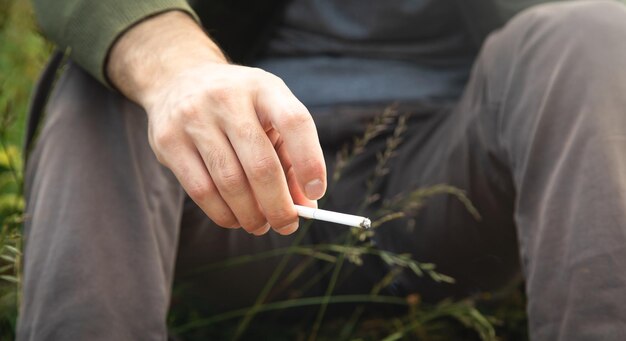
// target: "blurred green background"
[[23, 53]]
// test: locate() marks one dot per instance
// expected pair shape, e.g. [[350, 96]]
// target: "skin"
[[239, 142]]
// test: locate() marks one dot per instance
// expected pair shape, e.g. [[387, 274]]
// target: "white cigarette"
[[333, 217]]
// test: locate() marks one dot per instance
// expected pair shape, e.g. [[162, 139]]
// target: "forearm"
[[154, 51], [87, 29]]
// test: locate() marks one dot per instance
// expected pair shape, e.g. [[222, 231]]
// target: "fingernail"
[[314, 189], [263, 230], [290, 227]]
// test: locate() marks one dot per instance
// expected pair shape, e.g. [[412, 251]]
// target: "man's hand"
[[240, 143]]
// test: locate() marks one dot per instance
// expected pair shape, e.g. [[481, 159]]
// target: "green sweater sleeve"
[[90, 27]]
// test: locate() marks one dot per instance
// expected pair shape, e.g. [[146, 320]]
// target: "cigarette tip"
[[366, 223]]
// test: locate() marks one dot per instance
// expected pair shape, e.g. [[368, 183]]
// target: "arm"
[[88, 28], [243, 147]]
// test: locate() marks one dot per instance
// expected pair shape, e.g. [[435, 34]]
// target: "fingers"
[[292, 182], [191, 172], [294, 188], [264, 172], [230, 179], [297, 130]]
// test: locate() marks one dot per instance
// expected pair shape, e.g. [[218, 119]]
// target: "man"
[[536, 140]]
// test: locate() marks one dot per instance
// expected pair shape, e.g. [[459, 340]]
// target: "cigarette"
[[333, 217]]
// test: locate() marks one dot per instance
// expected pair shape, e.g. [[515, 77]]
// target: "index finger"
[[296, 127]]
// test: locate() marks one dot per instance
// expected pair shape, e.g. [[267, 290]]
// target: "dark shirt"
[[347, 51]]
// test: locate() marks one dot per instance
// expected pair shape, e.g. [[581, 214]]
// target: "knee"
[[584, 34], [600, 21]]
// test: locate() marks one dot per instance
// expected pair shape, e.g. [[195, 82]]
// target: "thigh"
[[553, 73], [101, 221], [432, 165]]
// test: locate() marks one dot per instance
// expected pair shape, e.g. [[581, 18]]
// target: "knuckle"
[[224, 93], [274, 78], [161, 159], [233, 182], [256, 72], [281, 217], [216, 160], [165, 138], [249, 131], [200, 192], [224, 219], [296, 120], [254, 224], [265, 170], [156, 151], [261, 75], [287, 231], [189, 110], [312, 166]]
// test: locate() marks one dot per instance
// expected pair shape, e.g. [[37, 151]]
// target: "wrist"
[[151, 54]]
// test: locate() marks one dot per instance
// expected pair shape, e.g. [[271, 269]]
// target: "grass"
[[409, 318], [487, 316]]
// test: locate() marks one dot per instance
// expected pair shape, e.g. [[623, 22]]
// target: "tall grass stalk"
[[345, 248], [22, 55]]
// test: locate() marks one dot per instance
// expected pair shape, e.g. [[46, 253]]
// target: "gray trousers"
[[538, 141]]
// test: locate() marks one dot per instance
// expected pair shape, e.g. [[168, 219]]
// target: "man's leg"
[[434, 158], [548, 100], [102, 221], [539, 144]]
